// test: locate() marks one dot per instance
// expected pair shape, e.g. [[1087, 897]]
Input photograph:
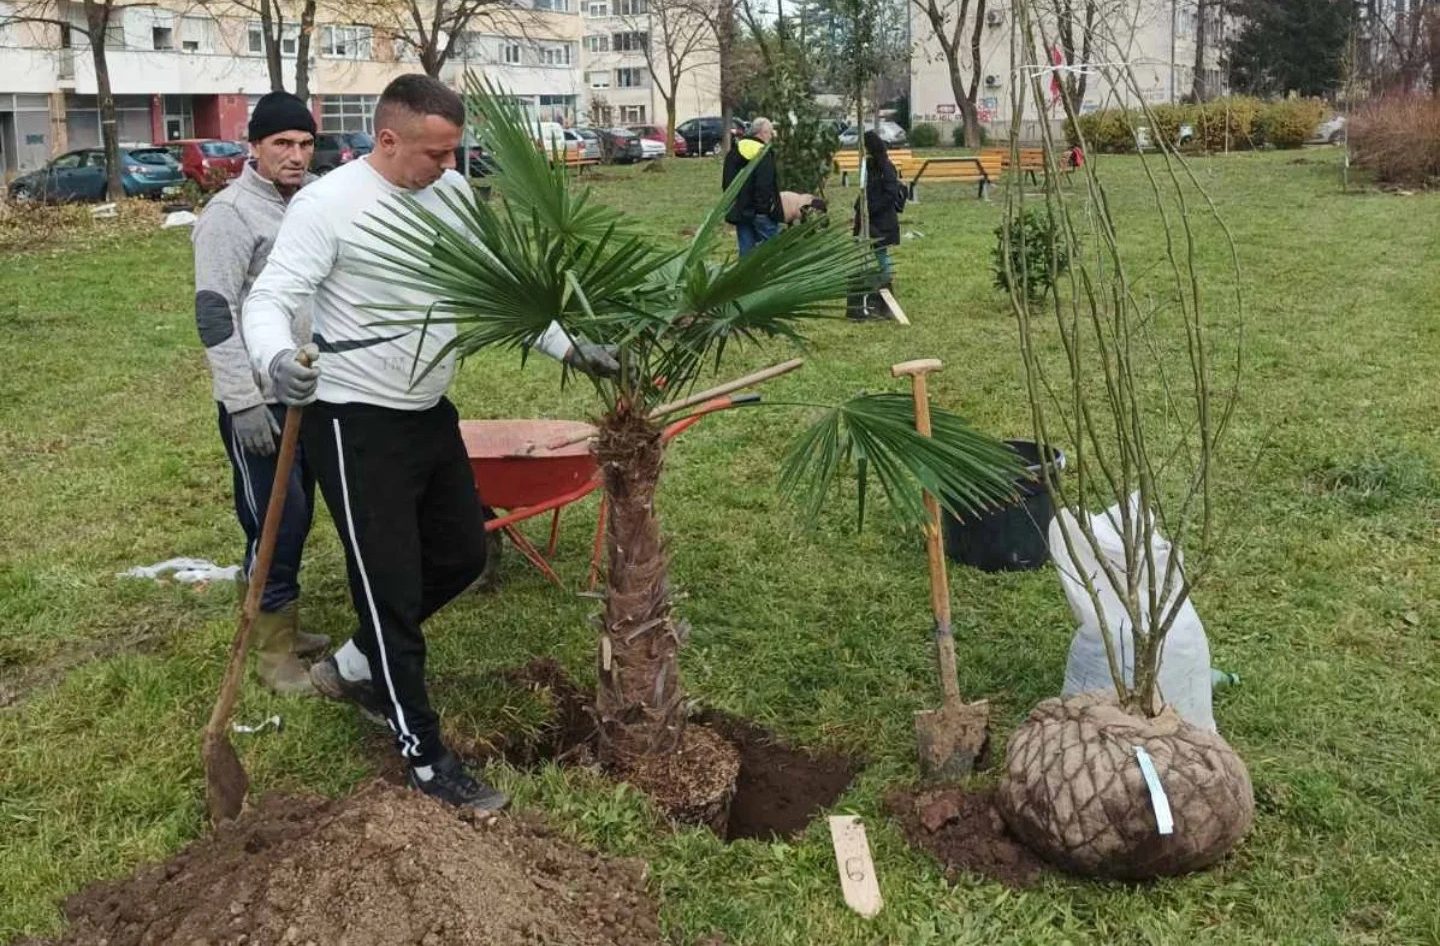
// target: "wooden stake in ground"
[[952, 737], [857, 868], [225, 780]]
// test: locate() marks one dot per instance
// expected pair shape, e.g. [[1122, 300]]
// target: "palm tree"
[[502, 270]]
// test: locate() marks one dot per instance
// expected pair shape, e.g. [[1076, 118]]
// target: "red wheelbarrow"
[[530, 467]]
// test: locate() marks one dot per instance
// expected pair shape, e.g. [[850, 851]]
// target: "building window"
[[557, 108], [289, 40], [162, 37], [629, 78], [554, 6], [632, 114], [197, 34], [597, 8], [632, 42], [348, 113], [632, 7], [598, 44], [555, 55], [511, 54], [345, 42], [599, 80]]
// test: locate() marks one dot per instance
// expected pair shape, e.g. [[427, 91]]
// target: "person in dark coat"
[[757, 212], [884, 199]]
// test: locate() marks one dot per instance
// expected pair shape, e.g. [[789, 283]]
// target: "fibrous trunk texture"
[[1073, 790], [638, 700]]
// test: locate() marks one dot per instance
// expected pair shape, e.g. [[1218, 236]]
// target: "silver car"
[[890, 133], [588, 141]]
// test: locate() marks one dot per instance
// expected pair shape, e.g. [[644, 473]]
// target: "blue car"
[[80, 176]]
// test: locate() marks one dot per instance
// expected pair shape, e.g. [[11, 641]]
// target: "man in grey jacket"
[[232, 243]]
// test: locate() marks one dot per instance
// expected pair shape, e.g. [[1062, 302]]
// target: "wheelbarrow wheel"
[[489, 579]]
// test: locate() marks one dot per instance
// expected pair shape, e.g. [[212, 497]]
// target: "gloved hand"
[[255, 428], [294, 383], [598, 361]]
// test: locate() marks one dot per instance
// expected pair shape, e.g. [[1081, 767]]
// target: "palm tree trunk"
[[638, 699]]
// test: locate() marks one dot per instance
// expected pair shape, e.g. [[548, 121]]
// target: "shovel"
[[952, 737], [225, 778]]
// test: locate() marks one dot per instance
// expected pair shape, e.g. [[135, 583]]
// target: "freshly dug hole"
[[384, 866]]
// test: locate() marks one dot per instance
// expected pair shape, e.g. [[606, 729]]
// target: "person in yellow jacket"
[[757, 212]]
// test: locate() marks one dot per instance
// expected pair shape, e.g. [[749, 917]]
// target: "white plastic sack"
[[187, 571], [178, 218], [1185, 660]]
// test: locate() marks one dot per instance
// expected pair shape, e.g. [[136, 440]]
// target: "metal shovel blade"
[[225, 780], [951, 739]]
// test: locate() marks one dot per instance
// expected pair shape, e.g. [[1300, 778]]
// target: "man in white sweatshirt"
[[387, 454]]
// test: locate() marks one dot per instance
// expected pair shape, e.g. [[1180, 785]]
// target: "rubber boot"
[[275, 662], [306, 644]]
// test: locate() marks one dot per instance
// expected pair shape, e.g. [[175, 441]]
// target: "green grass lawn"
[[1324, 600]]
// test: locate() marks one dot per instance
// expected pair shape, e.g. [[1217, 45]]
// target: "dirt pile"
[[384, 866], [964, 832]]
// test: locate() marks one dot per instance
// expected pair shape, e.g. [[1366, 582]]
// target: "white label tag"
[[1163, 818]]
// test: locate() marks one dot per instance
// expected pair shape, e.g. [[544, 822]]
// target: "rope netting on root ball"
[[1074, 792]]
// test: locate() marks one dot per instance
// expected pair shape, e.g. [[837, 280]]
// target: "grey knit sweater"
[[232, 241]]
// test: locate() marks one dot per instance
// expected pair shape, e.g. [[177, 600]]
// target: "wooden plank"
[[857, 869], [897, 313]]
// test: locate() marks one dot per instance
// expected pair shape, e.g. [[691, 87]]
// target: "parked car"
[[703, 135], [481, 161], [1331, 131], [333, 149], [620, 146], [587, 141], [656, 133], [209, 162], [890, 133], [650, 149], [80, 176]]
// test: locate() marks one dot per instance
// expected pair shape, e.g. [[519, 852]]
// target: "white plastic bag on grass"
[[1185, 659]]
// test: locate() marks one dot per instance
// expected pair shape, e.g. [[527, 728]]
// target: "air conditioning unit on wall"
[[994, 18], [992, 82]]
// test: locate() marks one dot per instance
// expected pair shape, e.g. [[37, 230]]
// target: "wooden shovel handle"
[[934, 550], [260, 571]]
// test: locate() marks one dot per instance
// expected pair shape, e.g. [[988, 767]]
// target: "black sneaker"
[[450, 783], [326, 678]]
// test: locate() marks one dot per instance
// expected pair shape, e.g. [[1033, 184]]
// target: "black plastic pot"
[[1011, 538]]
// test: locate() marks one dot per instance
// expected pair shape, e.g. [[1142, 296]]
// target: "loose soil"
[[779, 790], [964, 832], [384, 866]]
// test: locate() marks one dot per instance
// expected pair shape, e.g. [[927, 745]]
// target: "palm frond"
[[965, 470]]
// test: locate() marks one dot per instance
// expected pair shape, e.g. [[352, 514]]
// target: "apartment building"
[[1155, 37], [619, 84], [178, 71]]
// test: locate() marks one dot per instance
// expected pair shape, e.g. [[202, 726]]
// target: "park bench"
[[847, 162], [1031, 162], [982, 170]]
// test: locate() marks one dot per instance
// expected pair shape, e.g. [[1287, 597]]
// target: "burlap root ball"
[[1074, 793]]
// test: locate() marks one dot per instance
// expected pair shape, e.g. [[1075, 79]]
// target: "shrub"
[[1038, 255], [1227, 123], [1398, 139], [1291, 122], [1168, 120], [957, 135], [1110, 131], [924, 135]]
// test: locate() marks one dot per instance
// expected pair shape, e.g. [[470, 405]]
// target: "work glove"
[[295, 383], [598, 361], [255, 428]]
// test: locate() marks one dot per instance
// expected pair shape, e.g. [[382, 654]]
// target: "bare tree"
[[277, 19], [1075, 34], [429, 30], [1198, 87], [97, 18], [677, 37], [957, 26]]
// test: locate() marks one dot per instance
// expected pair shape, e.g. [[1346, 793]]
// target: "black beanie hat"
[[277, 112]]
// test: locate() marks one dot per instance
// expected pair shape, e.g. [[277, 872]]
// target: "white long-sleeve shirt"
[[317, 255]]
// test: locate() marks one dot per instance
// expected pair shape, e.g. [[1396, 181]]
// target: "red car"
[[209, 162], [657, 133]]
